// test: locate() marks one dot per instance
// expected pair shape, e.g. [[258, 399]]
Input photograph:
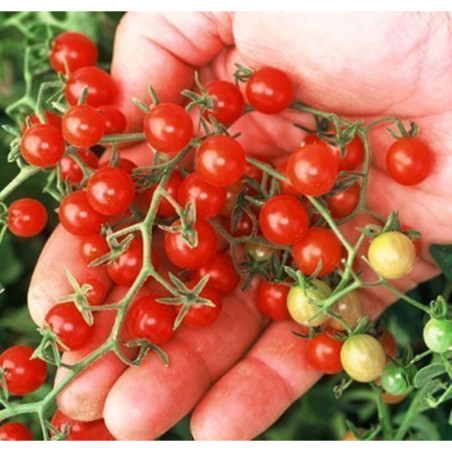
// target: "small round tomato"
[[302, 303], [343, 203], [228, 102], [110, 191], [323, 352], [319, 248], [354, 155], [232, 193], [312, 169], [81, 431], [283, 220], [220, 160], [125, 164], [51, 119], [83, 126], [243, 228], [114, 119], [42, 145], [180, 253], [396, 380], [26, 217], [77, 216], [95, 295], [392, 399], [222, 274], [269, 90], [271, 299], [200, 315], [70, 169], [363, 358], [409, 161], [350, 308], [389, 344], [22, 374], [148, 319], [438, 335], [258, 252], [93, 247], [15, 431], [71, 51], [286, 187], [102, 89], [392, 255], [168, 128]]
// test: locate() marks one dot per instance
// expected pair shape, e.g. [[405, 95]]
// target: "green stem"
[[405, 297], [25, 173]]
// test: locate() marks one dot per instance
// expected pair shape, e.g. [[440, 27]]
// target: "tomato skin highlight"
[[83, 126], [22, 374], [15, 431], [271, 299], [438, 335], [114, 119], [258, 251], [350, 308], [228, 102], [354, 155], [343, 203], [283, 220], [70, 169], [396, 380], [93, 247], [323, 352], [27, 217], [286, 187], [409, 161]]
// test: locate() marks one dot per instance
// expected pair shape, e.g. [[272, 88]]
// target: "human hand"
[[240, 373]]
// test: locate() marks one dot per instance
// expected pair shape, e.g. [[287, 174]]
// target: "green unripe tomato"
[[396, 380], [438, 335]]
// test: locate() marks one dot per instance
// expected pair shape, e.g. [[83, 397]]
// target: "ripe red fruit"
[[286, 187], [102, 89], [323, 352], [26, 217], [151, 320], [184, 256], [269, 90], [409, 161], [313, 169], [387, 340], [74, 50], [70, 169], [228, 102], [51, 119], [114, 119], [42, 145], [95, 295], [283, 220], [209, 200], [22, 374], [83, 126], [110, 191], [243, 228], [77, 216], [344, 202], [168, 128], [318, 246], [220, 160], [15, 431], [271, 299], [93, 247], [68, 324], [232, 193], [354, 155]]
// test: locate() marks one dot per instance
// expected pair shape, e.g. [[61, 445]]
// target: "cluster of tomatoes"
[[227, 192]]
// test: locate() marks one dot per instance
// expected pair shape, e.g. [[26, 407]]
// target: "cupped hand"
[[240, 374]]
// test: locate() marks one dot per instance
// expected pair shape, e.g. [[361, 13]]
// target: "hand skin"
[[241, 374]]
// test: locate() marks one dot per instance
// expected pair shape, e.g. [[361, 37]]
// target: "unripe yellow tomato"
[[363, 358], [350, 308], [392, 255], [300, 303], [258, 251]]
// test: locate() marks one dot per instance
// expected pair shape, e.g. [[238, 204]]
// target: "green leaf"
[[442, 254], [428, 373]]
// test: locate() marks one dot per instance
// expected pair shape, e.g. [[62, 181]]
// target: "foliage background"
[[318, 415]]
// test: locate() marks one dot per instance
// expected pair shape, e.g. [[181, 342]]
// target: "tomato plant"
[[396, 379], [323, 352], [228, 102], [83, 126], [70, 169], [271, 299], [438, 335], [26, 217], [15, 431]]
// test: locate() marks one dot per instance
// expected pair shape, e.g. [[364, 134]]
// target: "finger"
[[148, 399], [257, 391]]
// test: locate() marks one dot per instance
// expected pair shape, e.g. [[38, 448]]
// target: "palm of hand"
[[345, 72]]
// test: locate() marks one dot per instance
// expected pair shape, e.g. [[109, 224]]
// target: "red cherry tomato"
[[269, 90], [312, 169], [220, 160], [22, 374], [222, 274], [42, 145], [283, 220], [70, 169], [114, 119], [318, 245], [51, 119], [95, 295], [243, 228], [93, 247], [271, 300], [184, 256], [151, 320], [387, 340], [83, 126], [81, 431], [209, 200], [14, 431], [72, 50], [228, 102], [110, 191], [409, 161], [77, 216], [286, 187], [232, 193], [124, 164], [324, 353], [354, 155], [68, 324], [102, 89], [168, 128], [26, 217], [343, 203]]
